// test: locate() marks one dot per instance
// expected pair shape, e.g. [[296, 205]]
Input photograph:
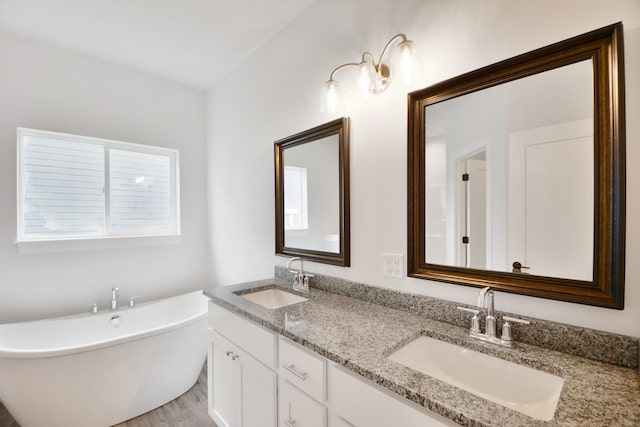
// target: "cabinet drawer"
[[361, 403], [297, 409], [304, 369], [249, 336]]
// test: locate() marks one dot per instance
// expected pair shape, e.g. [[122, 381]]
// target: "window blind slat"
[[140, 191], [63, 187]]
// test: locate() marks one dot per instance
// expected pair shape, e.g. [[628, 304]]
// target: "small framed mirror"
[[517, 174], [312, 194]]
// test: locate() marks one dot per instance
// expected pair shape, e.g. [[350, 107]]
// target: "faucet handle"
[[475, 322], [305, 281], [132, 300], [94, 308], [516, 320], [506, 327]]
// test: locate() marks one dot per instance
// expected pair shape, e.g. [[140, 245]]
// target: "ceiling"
[[192, 42]]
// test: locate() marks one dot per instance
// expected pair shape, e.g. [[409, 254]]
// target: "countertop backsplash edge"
[[602, 346]]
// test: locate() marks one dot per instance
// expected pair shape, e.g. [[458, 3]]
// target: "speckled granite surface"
[[358, 335], [590, 343]]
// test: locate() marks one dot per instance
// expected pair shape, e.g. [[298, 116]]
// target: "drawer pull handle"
[[290, 423], [294, 371]]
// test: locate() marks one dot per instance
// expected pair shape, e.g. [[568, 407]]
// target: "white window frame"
[[108, 239]]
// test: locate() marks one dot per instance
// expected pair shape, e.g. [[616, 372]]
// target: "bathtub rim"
[[8, 353]]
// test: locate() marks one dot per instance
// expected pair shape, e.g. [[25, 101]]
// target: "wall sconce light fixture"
[[375, 77]]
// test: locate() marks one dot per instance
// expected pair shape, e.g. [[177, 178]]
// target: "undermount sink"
[[526, 390], [273, 298]]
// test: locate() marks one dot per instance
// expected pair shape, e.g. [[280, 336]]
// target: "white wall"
[[276, 93], [48, 88]]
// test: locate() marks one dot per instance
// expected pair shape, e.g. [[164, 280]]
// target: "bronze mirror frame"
[[605, 48], [341, 128]]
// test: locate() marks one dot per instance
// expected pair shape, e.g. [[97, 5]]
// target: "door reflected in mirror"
[[312, 194], [516, 174], [509, 176]]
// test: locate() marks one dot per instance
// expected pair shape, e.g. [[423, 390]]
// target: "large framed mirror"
[[516, 174], [312, 194]]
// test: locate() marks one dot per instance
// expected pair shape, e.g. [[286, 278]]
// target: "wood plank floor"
[[6, 420], [188, 410]]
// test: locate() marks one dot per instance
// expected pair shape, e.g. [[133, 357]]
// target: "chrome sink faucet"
[[114, 298], [300, 279], [490, 326], [490, 336]]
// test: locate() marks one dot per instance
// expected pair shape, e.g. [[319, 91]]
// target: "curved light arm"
[[367, 55], [370, 56], [343, 66], [401, 36]]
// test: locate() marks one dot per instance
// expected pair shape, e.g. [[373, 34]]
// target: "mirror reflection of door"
[[472, 212], [559, 206], [551, 199], [554, 235]]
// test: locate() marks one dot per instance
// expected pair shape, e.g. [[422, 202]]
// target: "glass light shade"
[[409, 68], [367, 78], [331, 102]]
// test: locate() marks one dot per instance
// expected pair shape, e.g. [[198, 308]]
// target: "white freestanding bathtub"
[[85, 371]]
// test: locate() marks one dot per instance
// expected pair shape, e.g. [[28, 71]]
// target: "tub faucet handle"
[[114, 298], [132, 300], [94, 308]]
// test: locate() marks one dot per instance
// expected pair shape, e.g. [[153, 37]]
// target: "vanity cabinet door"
[[242, 391], [297, 409], [224, 376], [258, 393]]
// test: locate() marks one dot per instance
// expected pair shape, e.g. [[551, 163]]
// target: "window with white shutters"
[[295, 198], [75, 187]]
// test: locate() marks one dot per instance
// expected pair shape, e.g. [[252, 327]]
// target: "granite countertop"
[[359, 335]]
